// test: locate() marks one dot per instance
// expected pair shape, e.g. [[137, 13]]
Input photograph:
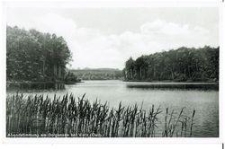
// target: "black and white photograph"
[[112, 72]]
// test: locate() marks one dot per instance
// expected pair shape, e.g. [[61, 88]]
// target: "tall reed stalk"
[[78, 117]]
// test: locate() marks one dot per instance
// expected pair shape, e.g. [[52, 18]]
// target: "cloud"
[[172, 35], [164, 28], [92, 48], [56, 23]]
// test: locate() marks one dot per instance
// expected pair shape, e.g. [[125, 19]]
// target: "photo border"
[[111, 4]]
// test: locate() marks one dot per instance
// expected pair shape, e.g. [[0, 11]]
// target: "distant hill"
[[98, 74]]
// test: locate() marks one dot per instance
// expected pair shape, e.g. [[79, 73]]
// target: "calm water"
[[206, 103]]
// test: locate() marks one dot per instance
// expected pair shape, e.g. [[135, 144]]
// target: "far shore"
[[173, 81]]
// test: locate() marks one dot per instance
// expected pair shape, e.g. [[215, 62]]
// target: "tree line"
[[182, 64], [98, 74], [33, 55]]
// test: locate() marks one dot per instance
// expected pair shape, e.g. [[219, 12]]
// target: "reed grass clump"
[[78, 117]]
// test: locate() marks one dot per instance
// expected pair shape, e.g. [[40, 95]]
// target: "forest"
[[33, 56], [182, 64], [98, 74]]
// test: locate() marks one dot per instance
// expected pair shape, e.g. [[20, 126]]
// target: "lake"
[[205, 102]]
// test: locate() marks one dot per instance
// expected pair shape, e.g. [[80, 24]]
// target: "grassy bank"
[[175, 85], [15, 85], [77, 117]]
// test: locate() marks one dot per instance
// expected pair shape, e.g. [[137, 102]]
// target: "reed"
[[78, 117]]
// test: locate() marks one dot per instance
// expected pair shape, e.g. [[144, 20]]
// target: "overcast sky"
[[106, 38]]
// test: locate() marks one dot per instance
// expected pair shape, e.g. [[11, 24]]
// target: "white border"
[[115, 3], [112, 3]]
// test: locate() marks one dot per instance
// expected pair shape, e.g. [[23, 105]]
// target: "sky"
[[107, 37]]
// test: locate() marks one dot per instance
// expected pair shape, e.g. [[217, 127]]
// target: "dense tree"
[[70, 78], [130, 67], [33, 56], [182, 64]]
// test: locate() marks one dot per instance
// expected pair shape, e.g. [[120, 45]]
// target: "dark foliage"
[[71, 78], [182, 64], [32, 55]]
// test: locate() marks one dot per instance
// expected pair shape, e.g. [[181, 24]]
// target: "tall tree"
[[32, 55], [182, 64]]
